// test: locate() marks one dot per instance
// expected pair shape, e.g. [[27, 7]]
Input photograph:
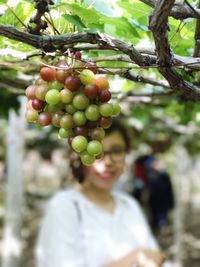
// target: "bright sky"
[[10, 3]]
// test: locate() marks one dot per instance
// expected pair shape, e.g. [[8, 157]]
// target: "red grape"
[[102, 83], [72, 83], [91, 91], [91, 66], [30, 91], [80, 130], [56, 117], [47, 73], [105, 122], [66, 121], [104, 95], [87, 76], [97, 133], [44, 118], [31, 115], [38, 104], [77, 55], [40, 91]]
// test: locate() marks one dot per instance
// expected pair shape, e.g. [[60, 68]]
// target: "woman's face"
[[103, 173]]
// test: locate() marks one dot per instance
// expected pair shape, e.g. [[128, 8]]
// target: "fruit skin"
[[77, 55], [81, 101], [91, 66], [66, 96], [70, 109], [52, 97], [80, 130], [79, 118], [87, 159], [56, 117], [87, 76], [102, 83], [66, 121], [38, 104], [104, 95], [91, 91], [44, 119], [40, 91], [105, 122], [64, 133], [47, 73], [106, 109], [116, 109], [30, 91], [79, 143], [31, 115], [97, 133], [92, 112], [40, 81], [55, 85], [94, 148], [72, 83], [61, 75]]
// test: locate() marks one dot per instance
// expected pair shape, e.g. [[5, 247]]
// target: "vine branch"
[[164, 59], [178, 11], [159, 25]]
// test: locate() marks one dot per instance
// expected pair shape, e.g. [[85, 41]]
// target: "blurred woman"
[[90, 225]]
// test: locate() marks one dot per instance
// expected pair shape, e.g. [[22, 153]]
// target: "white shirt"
[[77, 233]]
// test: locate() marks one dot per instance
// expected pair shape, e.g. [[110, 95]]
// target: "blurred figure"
[[156, 181], [139, 178], [2, 168], [42, 176], [90, 225]]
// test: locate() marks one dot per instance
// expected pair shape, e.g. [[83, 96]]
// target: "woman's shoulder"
[[131, 206], [64, 197], [127, 199]]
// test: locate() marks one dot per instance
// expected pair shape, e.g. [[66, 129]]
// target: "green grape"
[[87, 159], [55, 85], [92, 112], [94, 148], [79, 118], [64, 133], [87, 76], [106, 109], [81, 101], [52, 97], [116, 109], [79, 143]]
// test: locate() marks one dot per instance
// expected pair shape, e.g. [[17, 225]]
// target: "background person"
[[90, 225]]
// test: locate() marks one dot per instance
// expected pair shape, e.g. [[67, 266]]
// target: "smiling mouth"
[[106, 176]]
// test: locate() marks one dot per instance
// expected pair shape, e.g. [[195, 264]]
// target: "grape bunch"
[[75, 99]]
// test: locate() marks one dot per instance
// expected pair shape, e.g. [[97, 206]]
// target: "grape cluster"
[[74, 99]]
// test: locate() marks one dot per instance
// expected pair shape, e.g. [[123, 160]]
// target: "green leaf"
[[76, 20], [118, 27], [22, 12]]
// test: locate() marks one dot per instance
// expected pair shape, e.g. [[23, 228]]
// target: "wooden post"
[[11, 253], [183, 165]]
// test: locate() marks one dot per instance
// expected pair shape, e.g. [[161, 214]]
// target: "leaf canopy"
[[146, 93]]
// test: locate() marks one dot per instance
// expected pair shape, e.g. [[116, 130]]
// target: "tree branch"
[[139, 78], [179, 11], [158, 25], [52, 43], [197, 37]]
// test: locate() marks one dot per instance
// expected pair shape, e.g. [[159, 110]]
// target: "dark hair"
[[78, 167]]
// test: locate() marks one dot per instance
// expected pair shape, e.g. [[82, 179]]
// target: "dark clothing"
[[161, 198], [158, 185]]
